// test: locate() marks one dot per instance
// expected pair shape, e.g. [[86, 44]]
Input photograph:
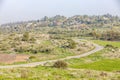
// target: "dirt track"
[[97, 48]]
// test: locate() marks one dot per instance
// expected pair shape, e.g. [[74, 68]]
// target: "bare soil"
[[12, 58]]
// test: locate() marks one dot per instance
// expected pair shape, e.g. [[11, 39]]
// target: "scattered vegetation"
[[47, 73], [106, 60], [25, 36], [41, 46], [59, 37]]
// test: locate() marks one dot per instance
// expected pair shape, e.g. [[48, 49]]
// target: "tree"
[[45, 18]]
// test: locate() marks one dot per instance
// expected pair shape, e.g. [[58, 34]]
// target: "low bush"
[[60, 64], [109, 46], [32, 57], [32, 39], [25, 36], [71, 43]]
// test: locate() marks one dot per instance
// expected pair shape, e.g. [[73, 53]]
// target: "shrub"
[[21, 49], [60, 64], [79, 49], [32, 57], [4, 47], [34, 51], [103, 74], [109, 46], [45, 48], [25, 36], [32, 39], [17, 39], [72, 44]]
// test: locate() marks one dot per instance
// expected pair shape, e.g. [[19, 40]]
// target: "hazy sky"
[[18, 10]]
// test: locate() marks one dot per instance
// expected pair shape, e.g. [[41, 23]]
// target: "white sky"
[[22, 10]]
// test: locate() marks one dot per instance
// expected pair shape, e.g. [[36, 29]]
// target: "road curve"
[[34, 64]]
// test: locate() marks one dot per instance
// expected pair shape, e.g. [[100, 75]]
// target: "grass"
[[92, 67], [96, 61], [104, 43], [55, 52], [49, 73], [104, 65]]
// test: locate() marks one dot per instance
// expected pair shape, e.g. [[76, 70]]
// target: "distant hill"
[[76, 22]]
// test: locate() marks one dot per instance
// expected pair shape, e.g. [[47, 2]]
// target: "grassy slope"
[[47, 73], [104, 43], [106, 65], [96, 61], [10, 43]]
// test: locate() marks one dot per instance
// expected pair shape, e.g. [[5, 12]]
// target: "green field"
[[104, 43], [97, 61], [103, 65], [49, 73]]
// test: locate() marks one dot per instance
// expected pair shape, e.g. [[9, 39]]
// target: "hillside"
[[104, 27], [60, 48]]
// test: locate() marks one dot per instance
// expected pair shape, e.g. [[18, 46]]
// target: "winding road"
[[34, 64]]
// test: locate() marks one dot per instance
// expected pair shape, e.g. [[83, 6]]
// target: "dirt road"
[[97, 48]]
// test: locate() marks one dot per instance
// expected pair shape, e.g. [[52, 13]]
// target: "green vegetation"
[[41, 46], [71, 44], [60, 64], [104, 43], [105, 60], [47, 73], [103, 27], [25, 36], [60, 37], [95, 66], [104, 65]]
